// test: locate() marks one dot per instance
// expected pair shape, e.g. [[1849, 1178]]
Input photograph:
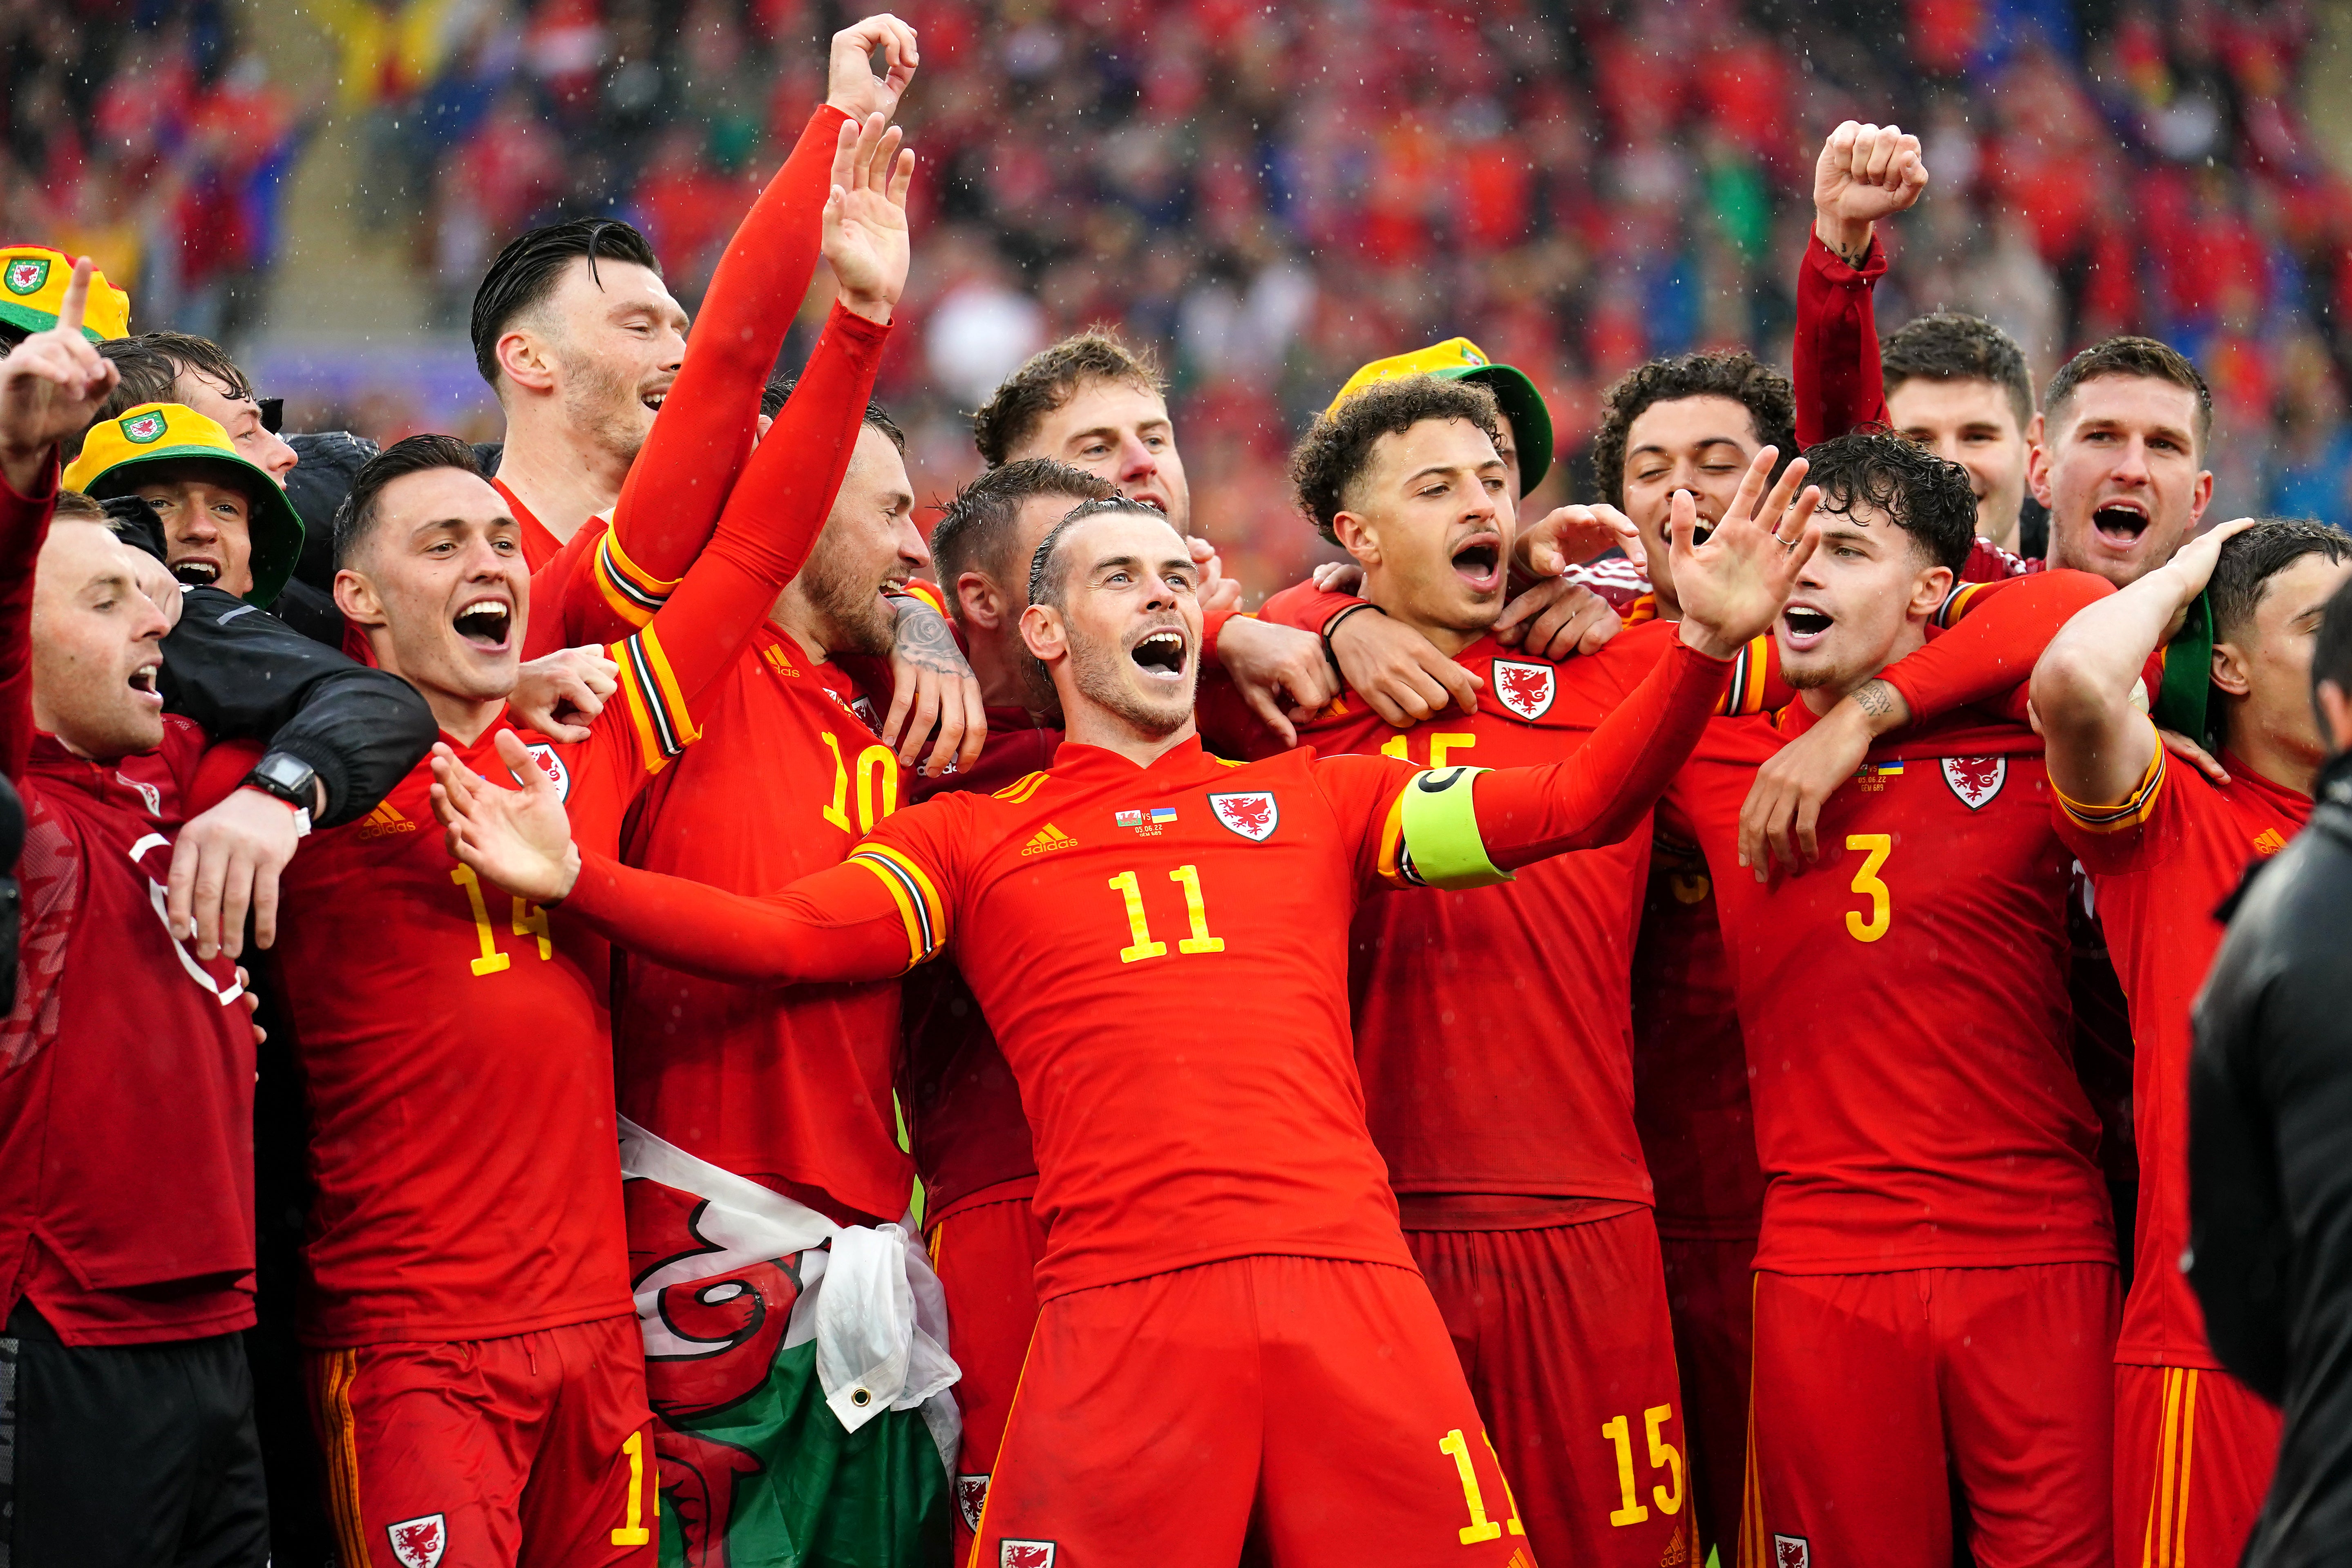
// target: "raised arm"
[[51, 386], [1865, 173], [2100, 745], [699, 449], [843, 923]]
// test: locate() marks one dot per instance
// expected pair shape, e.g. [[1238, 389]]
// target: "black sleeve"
[[243, 673], [2237, 1237]]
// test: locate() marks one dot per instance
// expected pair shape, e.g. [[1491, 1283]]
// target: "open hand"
[[1743, 574], [224, 865], [866, 239], [1571, 536], [51, 387], [1865, 173], [519, 838], [850, 84]]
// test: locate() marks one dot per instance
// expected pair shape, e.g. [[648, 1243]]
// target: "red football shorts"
[[1563, 1334], [1708, 1295], [1156, 1418], [2194, 1452], [1874, 1392], [986, 1256], [528, 1450]]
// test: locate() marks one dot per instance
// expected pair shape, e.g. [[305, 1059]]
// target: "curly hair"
[[1336, 450], [1764, 393], [1927, 498], [1050, 378]]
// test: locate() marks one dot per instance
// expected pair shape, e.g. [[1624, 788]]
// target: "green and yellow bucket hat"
[[33, 285], [1459, 359], [115, 451]]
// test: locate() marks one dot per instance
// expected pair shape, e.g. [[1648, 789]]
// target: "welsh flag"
[[798, 1372]]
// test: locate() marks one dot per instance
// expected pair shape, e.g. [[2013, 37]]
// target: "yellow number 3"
[[1867, 882]]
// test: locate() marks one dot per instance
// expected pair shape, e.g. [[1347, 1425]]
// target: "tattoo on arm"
[[1878, 699], [926, 641]]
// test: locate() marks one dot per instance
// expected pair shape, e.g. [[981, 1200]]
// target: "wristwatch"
[[285, 776]]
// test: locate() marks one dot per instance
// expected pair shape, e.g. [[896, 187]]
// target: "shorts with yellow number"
[[1312, 1407], [1564, 1334], [2194, 1452], [531, 1451]]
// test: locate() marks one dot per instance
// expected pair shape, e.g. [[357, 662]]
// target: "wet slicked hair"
[[1049, 574], [1925, 496], [152, 364], [356, 518], [779, 392], [976, 530], [1764, 393], [2129, 357], [1050, 378], [1954, 345], [528, 271], [2248, 561], [1338, 447]]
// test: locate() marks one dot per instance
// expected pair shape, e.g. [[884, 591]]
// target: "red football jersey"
[[456, 1053], [2160, 864], [1904, 1008], [962, 1105], [1690, 1066], [1492, 1024], [784, 1088]]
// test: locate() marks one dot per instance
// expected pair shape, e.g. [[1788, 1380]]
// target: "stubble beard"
[[1096, 673], [602, 404], [848, 606]]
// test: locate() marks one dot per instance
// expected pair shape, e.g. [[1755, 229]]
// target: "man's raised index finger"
[[76, 300]]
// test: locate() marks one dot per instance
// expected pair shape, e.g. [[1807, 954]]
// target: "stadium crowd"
[[605, 997]]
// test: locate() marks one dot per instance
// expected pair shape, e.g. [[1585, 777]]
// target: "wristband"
[[1329, 654]]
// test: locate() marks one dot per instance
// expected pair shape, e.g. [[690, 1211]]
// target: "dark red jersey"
[[1079, 901], [1904, 1008], [964, 1107], [1492, 1024], [126, 1068], [2160, 864], [1690, 1066], [781, 1087]]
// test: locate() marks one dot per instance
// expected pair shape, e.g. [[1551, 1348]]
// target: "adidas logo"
[[1047, 839], [2271, 841], [384, 820]]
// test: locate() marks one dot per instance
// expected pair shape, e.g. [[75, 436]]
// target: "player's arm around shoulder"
[[2104, 758]]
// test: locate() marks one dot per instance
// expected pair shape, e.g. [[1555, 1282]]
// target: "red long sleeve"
[[771, 521], [672, 499], [1603, 790], [1840, 385], [24, 524], [833, 927], [1992, 650], [1305, 606]]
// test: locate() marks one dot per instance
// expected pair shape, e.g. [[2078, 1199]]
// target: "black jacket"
[[243, 673], [2269, 1170]]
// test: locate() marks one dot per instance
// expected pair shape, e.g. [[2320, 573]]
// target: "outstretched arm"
[[1865, 173], [843, 923], [2099, 745], [700, 447]]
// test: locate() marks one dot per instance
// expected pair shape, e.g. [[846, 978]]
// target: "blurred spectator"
[[1271, 195]]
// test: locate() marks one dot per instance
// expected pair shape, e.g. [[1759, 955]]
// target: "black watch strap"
[[287, 777]]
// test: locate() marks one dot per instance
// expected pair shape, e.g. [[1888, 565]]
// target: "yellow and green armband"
[[1439, 844]]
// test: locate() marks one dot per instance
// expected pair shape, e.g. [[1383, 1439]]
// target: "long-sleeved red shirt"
[[126, 1070]]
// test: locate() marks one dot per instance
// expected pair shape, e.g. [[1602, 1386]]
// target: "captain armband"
[[1439, 843]]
